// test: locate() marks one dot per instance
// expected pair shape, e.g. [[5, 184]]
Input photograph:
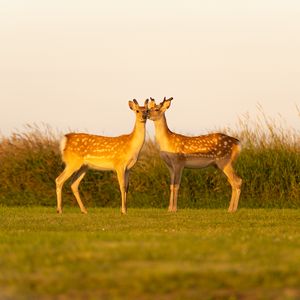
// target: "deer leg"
[[172, 177], [176, 185], [235, 182], [173, 198], [171, 201], [60, 180], [122, 184], [126, 182], [237, 197], [74, 186]]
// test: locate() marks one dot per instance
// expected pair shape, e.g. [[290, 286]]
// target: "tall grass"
[[269, 162], [29, 161], [269, 165]]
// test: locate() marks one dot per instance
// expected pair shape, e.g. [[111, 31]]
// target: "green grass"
[[149, 254]]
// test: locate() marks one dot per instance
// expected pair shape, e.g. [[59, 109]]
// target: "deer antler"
[[165, 99]]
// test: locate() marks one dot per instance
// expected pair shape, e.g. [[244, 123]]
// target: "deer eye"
[[137, 111]]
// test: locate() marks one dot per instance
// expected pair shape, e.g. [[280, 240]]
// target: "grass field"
[[149, 254]]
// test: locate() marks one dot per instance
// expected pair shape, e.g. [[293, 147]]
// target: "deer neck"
[[162, 133], [138, 135]]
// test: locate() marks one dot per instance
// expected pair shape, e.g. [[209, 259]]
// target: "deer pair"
[[82, 151]]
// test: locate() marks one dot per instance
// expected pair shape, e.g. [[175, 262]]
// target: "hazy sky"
[[75, 64]]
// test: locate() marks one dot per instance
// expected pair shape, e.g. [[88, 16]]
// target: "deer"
[[180, 151], [82, 151]]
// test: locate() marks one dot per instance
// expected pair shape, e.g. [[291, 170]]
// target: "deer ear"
[[152, 103], [166, 104], [131, 105]]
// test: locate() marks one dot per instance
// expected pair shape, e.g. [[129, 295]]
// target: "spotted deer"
[[180, 151], [81, 151]]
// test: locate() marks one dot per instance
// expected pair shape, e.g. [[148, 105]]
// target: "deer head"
[[141, 112], [156, 111]]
